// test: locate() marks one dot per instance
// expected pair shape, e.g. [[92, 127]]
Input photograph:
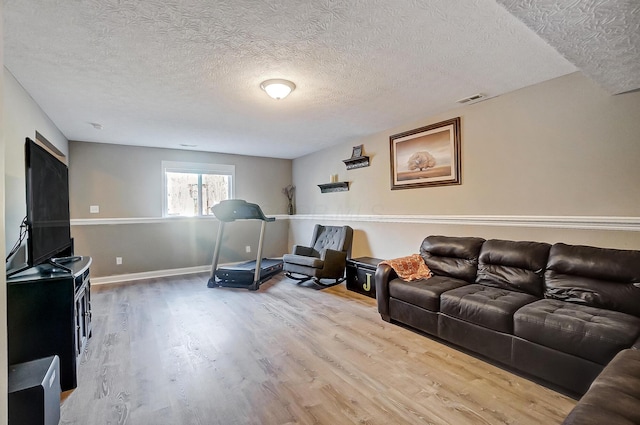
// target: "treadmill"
[[251, 273]]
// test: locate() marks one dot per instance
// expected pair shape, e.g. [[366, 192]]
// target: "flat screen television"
[[48, 225]]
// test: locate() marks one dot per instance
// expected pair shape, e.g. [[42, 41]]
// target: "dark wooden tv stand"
[[49, 312]]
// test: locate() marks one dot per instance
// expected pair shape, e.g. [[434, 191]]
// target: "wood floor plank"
[[172, 351]]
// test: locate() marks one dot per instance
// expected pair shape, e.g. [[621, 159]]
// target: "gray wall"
[[3, 282], [563, 148], [23, 117], [126, 183], [172, 244]]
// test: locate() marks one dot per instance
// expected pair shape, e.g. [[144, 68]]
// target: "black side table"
[[361, 273]]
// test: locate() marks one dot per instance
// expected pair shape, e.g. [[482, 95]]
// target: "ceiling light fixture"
[[278, 89]]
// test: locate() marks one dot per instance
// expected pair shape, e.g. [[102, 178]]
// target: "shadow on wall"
[[360, 247], [18, 259]]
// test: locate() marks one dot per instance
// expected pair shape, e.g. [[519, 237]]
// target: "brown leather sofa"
[[558, 313], [614, 397]]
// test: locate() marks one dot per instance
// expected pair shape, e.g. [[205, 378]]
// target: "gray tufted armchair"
[[326, 258]]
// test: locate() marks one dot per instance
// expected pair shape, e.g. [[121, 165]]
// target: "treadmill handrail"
[[238, 209]]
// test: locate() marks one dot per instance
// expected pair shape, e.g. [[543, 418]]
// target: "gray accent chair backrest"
[[324, 258]]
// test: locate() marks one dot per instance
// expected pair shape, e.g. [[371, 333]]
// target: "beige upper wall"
[[126, 181], [560, 148], [563, 147]]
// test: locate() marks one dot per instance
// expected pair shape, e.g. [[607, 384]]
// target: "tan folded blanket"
[[409, 268]]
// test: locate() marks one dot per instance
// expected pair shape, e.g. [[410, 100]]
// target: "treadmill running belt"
[[244, 272]]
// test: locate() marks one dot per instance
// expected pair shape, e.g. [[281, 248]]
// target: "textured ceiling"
[[170, 72], [601, 37]]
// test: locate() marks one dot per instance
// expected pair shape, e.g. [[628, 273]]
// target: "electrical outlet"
[[247, 248], [119, 261], [94, 209]]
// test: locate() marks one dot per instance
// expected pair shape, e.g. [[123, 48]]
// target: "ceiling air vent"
[[473, 98]]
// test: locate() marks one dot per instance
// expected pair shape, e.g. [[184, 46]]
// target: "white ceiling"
[[170, 72], [600, 37]]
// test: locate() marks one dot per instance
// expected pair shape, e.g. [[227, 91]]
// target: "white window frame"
[[195, 167]]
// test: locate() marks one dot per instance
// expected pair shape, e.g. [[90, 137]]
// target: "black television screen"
[[49, 229]]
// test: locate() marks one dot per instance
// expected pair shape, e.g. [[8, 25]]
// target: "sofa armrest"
[[384, 274], [614, 397]]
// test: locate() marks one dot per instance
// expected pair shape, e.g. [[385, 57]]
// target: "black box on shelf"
[[361, 273]]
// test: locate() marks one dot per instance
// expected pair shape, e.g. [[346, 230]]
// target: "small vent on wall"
[[473, 98]]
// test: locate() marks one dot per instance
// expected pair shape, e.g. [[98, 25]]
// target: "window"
[[191, 188]]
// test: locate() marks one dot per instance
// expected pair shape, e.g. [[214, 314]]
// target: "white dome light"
[[278, 89]]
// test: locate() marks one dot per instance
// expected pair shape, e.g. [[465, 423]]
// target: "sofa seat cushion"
[[614, 397], [486, 306], [423, 293], [588, 332]]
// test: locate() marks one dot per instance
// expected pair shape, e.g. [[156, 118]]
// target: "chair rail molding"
[[562, 222]]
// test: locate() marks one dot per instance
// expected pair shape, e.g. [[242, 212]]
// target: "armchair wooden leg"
[[300, 279], [318, 281]]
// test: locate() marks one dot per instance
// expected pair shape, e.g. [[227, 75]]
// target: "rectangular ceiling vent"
[[473, 98]]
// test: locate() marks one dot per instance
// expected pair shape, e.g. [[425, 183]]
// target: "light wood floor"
[[172, 351]]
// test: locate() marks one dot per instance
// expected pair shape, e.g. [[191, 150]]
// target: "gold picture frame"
[[427, 156]]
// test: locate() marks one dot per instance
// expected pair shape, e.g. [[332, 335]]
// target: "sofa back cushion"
[[599, 277], [513, 265], [452, 256]]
